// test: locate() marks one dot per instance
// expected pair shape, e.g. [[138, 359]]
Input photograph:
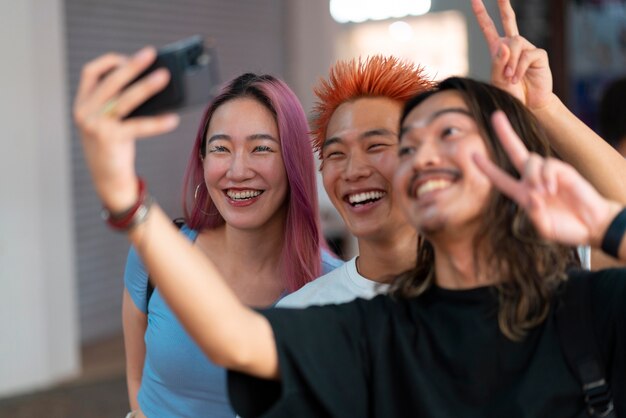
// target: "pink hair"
[[300, 261]]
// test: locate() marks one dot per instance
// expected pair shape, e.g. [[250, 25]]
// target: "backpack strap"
[[578, 342], [179, 222]]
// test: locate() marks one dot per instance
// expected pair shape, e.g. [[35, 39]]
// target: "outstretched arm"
[[231, 334], [562, 205], [523, 70]]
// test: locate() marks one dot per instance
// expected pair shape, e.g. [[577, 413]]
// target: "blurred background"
[[61, 268]]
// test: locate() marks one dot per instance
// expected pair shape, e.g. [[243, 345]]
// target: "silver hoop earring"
[[195, 198]]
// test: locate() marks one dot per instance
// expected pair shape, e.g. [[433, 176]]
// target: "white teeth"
[[246, 194], [362, 197], [431, 185]]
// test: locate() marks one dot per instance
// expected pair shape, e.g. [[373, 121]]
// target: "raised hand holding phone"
[[103, 100], [120, 99]]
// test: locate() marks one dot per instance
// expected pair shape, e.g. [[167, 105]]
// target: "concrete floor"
[[100, 391]]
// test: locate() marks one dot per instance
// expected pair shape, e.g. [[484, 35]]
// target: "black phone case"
[[194, 76]]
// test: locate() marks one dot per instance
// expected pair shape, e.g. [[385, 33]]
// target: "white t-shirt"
[[340, 285], [345, 284], [584, 252]]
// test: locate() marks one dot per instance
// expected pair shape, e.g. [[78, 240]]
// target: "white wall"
[[38, 323]]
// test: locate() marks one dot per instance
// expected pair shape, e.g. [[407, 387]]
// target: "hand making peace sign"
[[562, 205], [518, 66]]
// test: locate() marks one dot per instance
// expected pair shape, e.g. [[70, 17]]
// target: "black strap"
[[579, 345], [614, 234], [179, 222]]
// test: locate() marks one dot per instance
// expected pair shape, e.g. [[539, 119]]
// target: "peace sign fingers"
[[511, 143], [507, 14], [519, 155], [488, 28]]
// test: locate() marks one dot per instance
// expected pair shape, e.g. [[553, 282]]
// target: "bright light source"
[[443, 54], [401, 31], [344, 11]]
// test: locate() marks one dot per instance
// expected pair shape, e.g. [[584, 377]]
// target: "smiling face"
[[243, 166], [439, 186], [359, 160]]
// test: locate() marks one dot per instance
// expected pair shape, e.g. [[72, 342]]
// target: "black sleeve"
[[608, 310], [323, 363]]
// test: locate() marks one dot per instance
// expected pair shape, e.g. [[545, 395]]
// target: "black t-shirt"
[[439, 355]]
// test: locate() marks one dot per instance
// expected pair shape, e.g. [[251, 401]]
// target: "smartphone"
[[194, 77]]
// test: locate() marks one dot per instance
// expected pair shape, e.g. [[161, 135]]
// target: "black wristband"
[[614, 234]]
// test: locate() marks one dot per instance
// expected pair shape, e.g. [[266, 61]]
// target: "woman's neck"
[[249, 260], [249, 248], [383, 259]]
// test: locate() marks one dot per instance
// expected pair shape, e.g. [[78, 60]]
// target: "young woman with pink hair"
[[250, 206]]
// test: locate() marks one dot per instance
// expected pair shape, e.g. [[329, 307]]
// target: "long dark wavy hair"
[[527, 268]]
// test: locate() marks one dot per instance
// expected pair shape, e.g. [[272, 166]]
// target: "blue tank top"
[[178, 380]]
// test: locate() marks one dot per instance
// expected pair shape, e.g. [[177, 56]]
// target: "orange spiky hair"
[[376, 76]]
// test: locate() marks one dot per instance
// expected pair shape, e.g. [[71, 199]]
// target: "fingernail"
[[171, 120], [514, 80], [158, 76], [508, 71], [144, 53]]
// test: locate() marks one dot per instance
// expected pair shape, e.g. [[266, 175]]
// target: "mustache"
[[419, 177]]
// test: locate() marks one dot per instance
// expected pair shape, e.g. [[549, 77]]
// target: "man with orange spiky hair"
[[355, 132], [376, 76]]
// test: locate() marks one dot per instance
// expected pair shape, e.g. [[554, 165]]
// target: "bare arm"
[[134, 323], [580, 146], [524, 71], [231, 334]]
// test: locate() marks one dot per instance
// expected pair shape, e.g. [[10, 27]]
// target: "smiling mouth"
[[428, 182], [242, 195], [432, 185], [360, 199]]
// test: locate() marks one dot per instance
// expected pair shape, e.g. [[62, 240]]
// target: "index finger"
[[118, 79], [488, 28], [507, 14], [512, 144], [502, 180], [94, 70]]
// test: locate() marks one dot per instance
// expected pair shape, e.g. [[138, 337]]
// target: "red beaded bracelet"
[[133, 216]]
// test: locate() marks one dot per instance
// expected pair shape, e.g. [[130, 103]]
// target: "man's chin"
[[432, 228]]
